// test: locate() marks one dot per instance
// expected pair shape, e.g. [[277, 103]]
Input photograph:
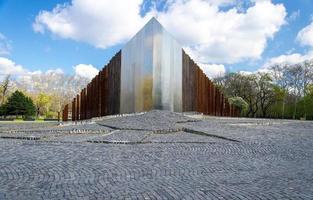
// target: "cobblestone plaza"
[[158, 155]]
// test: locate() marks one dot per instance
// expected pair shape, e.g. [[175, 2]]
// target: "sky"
[[80, 36]]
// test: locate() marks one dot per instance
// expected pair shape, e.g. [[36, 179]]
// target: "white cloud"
[[86, 71], [5, 46], [288, 59], [101, 23], [223, 36], [214, 35], [305, 36], [213, 70], [8, 67]]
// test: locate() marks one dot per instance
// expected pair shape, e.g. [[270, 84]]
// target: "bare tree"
[[307, 80], [279, 76], [294, 76], [61, 88], [266, 95], [5, 88]]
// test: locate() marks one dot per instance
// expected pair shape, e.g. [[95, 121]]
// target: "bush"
[[239, 103]]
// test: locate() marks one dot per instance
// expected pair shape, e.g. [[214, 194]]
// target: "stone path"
[[135, 158]]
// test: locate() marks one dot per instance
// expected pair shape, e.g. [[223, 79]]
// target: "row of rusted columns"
[[100, 97], [200, 94], [210, 100]]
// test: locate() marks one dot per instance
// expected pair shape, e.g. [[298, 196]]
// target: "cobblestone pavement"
[[211, 158]]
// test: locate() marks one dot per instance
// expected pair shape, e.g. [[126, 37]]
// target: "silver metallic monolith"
[[151, 71]]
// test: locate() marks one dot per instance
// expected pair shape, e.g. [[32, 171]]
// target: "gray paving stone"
[[153, 120], [123, 136], [180, 137], [272, 160]]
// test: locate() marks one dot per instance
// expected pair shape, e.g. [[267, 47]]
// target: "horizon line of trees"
[[281, 91], [49, 91]]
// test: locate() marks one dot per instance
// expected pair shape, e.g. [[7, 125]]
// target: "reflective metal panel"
[[151, 71]]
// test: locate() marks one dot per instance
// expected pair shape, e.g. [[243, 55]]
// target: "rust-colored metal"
[[65, 113], [77, 107], [101, 96], [200, 94], [74, 109], [81, 114]]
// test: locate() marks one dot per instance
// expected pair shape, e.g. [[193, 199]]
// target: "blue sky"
[[39, 35]]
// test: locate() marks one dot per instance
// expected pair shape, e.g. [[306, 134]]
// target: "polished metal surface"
[[151, 71]]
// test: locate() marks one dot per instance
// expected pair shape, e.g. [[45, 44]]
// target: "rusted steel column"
[[88, 102], [203, 92], [222, 105], [103, 92], [237, 112], [82, 104], [216, 102], [219, 102], [227, 108], [194, 87], [99, 94], [77, 107], [85, 103], [231, 110], [106, 91], [198, 90], [209, 96], [96, 98], [92, 99], [81, 113], [213, 100], [74, 110], [65, 113]]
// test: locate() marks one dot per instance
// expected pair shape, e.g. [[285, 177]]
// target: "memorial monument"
[[152, 71]]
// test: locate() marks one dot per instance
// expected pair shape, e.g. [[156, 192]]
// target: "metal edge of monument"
[[152, 71]]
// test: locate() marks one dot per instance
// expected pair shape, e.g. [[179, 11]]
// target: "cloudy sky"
[[80, 36]]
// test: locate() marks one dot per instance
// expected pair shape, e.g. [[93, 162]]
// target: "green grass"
[[16, 121]]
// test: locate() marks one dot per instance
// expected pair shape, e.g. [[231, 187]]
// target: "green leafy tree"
[[239, 103], [43, 102], [3, 110], [19, 104]]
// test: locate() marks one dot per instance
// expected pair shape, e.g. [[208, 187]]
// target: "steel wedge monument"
[[156, 100], [152, 71]]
